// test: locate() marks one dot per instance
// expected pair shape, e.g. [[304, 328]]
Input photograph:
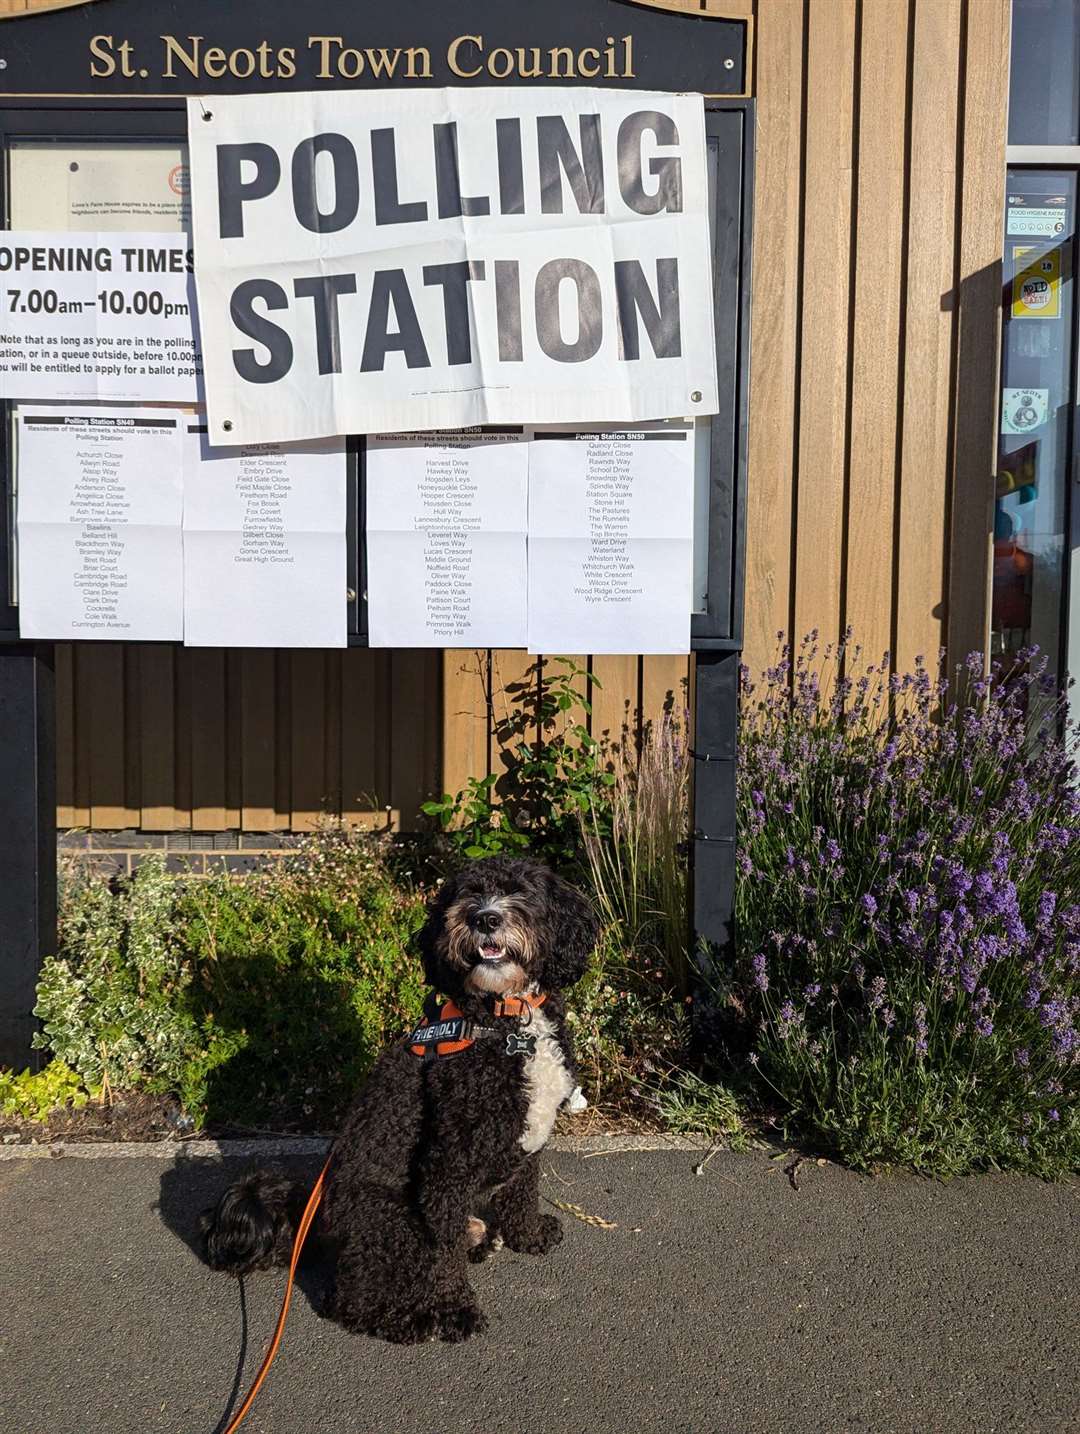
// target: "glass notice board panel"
[[74, 166]]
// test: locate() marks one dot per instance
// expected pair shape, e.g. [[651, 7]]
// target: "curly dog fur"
[[437, 1163]]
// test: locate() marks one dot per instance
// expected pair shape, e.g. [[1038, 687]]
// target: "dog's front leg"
[[516, 1209], [446, 1200]]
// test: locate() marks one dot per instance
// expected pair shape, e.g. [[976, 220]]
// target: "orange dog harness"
[[449, 1031]]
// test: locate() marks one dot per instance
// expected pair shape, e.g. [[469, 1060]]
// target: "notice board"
[[84, 85]]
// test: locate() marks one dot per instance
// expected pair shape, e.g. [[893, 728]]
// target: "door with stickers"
[[1031, 500]]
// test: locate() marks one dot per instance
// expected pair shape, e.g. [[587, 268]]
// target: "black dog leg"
[[385, 1272], [446, 1207], [516, 1211]]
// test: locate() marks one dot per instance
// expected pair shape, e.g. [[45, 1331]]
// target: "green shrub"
[[33, 1095], [259, 1000]]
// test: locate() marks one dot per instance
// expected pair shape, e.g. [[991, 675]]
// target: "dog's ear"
[[436, 972], [575, 929]]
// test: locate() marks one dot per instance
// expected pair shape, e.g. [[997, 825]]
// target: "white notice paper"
[[99, 512], [610, 540], [264, 544], [446, 515], [97, 316]]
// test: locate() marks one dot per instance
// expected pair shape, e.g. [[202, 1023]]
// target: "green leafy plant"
[[554, 772], [32, 1095], [474, 822], [690, 1105]]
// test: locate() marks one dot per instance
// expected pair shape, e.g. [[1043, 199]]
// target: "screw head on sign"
[[227, 425], [3, 64], [695, 397], [729, 64], [350, 594]]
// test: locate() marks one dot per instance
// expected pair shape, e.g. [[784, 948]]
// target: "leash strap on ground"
[[302, 1229]]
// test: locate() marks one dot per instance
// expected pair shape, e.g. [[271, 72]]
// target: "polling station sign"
[[368, 263]]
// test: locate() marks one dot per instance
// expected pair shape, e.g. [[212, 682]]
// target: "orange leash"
[[298, 1244]]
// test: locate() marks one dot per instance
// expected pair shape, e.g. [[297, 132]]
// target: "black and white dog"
[[438, 1161]]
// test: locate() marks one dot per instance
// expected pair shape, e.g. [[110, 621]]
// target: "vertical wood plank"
[[664, 689], [82, 684], [234, 738], [258, 740], [182, 801], [823, 388], [984, 100], [774, 328], [466, 727], [109, 729], [883, 73], [332, 731], [67, 815], [156, 734], [206, 739], [365, 735], [307, 675], [616, 719], [415, 729], [924, 476], [514, 704]]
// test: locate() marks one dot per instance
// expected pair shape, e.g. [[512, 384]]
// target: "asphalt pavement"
[[723, 1303]]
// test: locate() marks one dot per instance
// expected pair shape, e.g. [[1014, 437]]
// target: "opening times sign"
[[98, 316], [372, 263]]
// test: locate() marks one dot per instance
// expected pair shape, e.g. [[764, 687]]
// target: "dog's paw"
[[538, 1239], [455, 1323]]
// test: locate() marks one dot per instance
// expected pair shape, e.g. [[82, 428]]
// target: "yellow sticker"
[[1037, 286]]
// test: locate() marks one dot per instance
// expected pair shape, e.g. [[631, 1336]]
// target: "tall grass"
[[635, 850]]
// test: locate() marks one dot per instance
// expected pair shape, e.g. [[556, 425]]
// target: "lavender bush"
[[908, 909]]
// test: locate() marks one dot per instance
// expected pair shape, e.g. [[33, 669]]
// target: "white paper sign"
[[99, 511], [97, 316], [446, 516], [375, 262], [610, 540], [264, 544]]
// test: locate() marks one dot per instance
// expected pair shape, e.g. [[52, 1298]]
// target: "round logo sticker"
[[1035, 293], [178, 179]]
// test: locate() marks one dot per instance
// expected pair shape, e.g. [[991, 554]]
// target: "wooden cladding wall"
[[876, 310], [876, 307], [168, 738], [164, 739]]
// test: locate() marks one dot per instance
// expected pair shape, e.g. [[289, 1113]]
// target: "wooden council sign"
[[179, 47]]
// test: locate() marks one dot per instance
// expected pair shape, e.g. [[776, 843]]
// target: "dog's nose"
[[488, 921]]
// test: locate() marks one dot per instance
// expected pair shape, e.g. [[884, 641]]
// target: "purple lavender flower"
[[984, 1026], [761, 979]]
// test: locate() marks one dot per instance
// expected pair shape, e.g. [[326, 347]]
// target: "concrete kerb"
[[270, 1148]]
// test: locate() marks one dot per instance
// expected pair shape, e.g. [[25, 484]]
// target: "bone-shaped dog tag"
[[517, 1045]]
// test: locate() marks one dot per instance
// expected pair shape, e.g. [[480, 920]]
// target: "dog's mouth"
[[490, 950]]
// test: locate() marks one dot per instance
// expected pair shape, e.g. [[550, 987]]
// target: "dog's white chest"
[[547, 1083]]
